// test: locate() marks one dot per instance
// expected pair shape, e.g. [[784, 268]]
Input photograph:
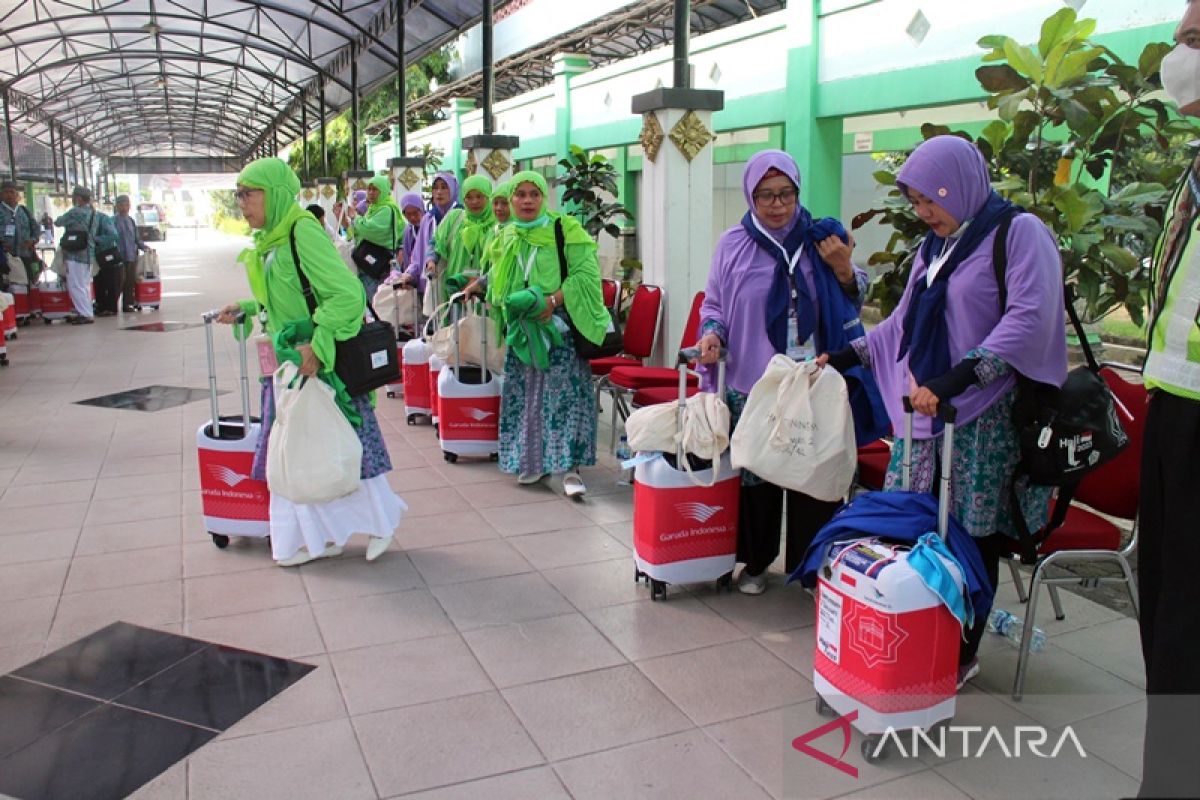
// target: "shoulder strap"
[[306, 287], [1000, 265], [560, 241]]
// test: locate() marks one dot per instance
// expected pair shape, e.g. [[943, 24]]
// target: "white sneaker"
[[330, 551], [574, 486], [752, 584], [301, 557], [530, 478], [378, 546]]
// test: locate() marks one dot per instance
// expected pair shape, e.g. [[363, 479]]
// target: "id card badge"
[[267, 361], [796, 349], [10, 231]]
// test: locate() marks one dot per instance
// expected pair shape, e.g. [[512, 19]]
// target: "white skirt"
[[374, 510]]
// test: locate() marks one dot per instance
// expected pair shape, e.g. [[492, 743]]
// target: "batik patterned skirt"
[[547, 417]]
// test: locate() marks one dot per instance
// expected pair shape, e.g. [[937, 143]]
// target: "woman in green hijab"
[[460, 238], [266, 195], [548, 409], [383, 224]]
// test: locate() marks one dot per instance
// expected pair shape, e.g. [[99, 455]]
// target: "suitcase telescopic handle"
[[209, 318], [948, 415]]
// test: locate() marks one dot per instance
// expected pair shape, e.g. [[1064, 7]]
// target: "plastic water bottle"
[[1010, 626], [624, 476]]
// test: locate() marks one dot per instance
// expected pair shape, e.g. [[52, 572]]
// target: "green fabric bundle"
[[529, 337]]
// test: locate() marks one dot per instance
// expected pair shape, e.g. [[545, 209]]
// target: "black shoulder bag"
[[367, 361], [109, 257], [77, 241], [375, 260], [1063, 433], [585, 348]]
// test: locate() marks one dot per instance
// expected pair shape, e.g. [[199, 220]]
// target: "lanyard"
[[528, 263], [936, 265]]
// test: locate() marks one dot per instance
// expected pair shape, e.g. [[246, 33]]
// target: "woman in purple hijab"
[[443, 195], [781, 282], [949, 338], [412, 267]]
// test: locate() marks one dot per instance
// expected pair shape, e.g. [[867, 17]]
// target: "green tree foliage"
[[585, 177], [1082, 143], [374, 109]]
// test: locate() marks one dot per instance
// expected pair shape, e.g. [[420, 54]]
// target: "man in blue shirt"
[[130, 243], [100, 233], [18, 233]]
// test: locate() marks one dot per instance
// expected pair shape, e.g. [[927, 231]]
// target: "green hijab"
[[385, 201], [506, 274], [476, 227], [280, 187]]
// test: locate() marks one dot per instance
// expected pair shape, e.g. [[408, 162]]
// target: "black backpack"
[[1064, 433]]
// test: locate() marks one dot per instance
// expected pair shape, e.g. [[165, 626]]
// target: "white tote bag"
[[396, 307], [470, 332], [702, 432], [16, 271], [147, 264], [797, 430], [313, 455]]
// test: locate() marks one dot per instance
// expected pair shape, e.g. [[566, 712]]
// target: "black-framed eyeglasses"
[[244, 194], [784, 197]]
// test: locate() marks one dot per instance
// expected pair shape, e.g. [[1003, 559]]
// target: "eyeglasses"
[[785, 197], [244, 194]]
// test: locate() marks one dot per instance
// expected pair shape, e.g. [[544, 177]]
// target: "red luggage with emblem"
[[233, 503], [886, 646], [468, 406], [684, 532]]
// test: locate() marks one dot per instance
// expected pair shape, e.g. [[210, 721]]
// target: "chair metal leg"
[[1027, 634], [1056, 601], [1129, 584], [612, 437], [1018, 579]]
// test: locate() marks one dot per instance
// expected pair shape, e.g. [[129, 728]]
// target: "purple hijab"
[[414, 253], [740, 280], [1029, 336], [429, 224]]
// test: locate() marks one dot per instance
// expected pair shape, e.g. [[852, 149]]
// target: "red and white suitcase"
[[436, 365], [468, 406], [404, 334], [234, 504], [685, 532], [8, 319], [55, 299], [21, 302], [418, 399], [149, 292], [887, 648]]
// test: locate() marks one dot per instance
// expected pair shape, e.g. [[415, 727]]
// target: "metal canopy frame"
[[220, 80], [631, 31]]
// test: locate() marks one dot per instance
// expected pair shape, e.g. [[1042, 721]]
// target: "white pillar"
[[408, 175], [308, 194], [327, 194], [675, 210], [490, 155]]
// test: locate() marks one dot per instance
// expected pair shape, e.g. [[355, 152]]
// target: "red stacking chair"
[[612, 293], [873, 460], [1112, 491], [641, 329], [626, 381]]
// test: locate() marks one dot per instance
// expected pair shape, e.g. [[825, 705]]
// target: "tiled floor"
[[501, 649]]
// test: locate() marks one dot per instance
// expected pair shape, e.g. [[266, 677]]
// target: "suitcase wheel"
[[412, 419], [494, 457], [220, 540], [823, 708], [451, 458], [726, 582], [12, 335], [391, 394], [658, 589], [3, 361], [637, 574], [872, 752], [47, 321]]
